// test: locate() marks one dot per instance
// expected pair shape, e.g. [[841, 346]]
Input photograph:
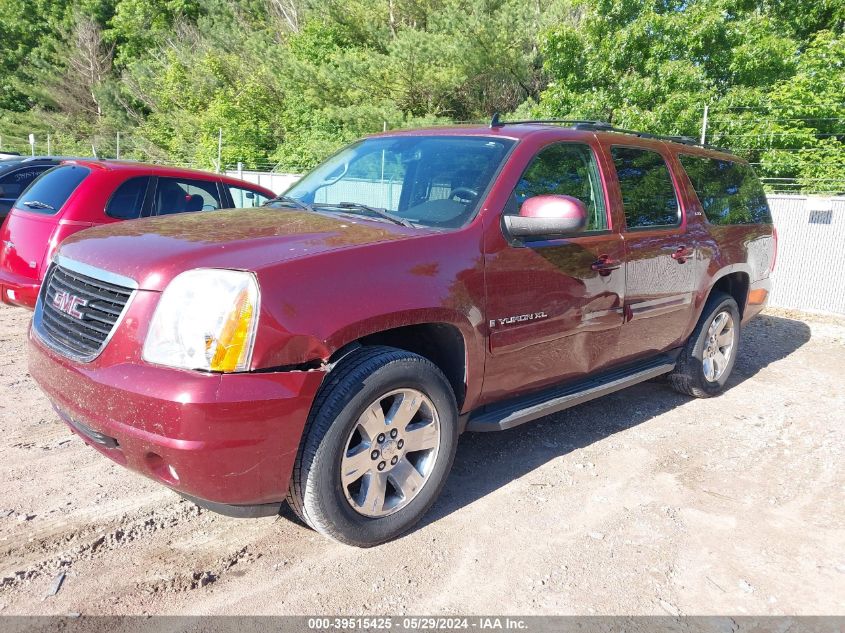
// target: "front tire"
[[377, 447], [708, 358]]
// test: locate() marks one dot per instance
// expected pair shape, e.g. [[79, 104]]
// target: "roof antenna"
[[495, 121]]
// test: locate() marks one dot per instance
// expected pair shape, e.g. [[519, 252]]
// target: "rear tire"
[[377, 447], [708, 358]]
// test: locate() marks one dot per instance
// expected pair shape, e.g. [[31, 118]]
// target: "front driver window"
[[245, 198], [567, 169]]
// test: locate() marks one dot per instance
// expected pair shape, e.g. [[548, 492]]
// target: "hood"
[[154, 250]]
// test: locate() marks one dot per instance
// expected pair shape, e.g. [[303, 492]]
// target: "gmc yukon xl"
[[330, 348]]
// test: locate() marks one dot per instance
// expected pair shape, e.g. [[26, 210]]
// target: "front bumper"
[[17, 290], [225, 439]]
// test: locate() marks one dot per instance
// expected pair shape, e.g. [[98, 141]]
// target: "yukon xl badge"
[[69, 304], [533, 316]]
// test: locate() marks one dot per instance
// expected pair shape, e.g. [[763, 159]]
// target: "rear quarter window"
[[50, 191], [729, 192]]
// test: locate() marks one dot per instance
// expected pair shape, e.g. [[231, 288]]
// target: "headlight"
[[205, 319]]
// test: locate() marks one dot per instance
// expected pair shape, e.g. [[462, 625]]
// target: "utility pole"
[[219, 149], [32, 143], [49, 147], [117, 150], [704, 124], [384, 129]]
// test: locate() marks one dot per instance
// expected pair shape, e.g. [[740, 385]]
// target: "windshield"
[[49, 192], [435, 181]]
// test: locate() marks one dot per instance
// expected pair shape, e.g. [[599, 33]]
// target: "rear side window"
[[127, 202], [567, 169], [13, 184], [175, 195], [648, 194], [51, 190], [729, 192], [246, 198]]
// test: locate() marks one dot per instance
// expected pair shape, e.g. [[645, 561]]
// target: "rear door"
[[131, 200], [185, 195], [554, 307], [661, 264]]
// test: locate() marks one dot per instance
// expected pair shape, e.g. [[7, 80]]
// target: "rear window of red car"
[[49, 192]]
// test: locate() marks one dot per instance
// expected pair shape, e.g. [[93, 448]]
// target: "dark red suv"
[[330, 348], [83, 193]]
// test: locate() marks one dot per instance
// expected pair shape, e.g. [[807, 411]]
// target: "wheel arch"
[[737, 284], [734, 280], [443, 343]]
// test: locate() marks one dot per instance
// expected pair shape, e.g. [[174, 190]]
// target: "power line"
[[764, 134], [781, 120], [780, 107], [805, 179], [780, 149]]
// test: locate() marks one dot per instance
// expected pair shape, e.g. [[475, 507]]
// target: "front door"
[[660, 255], [554, 307]]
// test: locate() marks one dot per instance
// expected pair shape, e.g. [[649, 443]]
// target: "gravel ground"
[[644, 502]]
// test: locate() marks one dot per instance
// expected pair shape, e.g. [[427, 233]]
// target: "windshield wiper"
[[289, 200], [36, 204], [382, 213]]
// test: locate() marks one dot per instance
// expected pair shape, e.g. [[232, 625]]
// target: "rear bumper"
[[758, 298], [17, 290], [227, 440]]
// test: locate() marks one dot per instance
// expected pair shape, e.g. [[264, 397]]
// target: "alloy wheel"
[[390, 453], [719, 346]]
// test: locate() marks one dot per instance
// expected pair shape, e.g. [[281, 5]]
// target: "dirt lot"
[[645, 502]]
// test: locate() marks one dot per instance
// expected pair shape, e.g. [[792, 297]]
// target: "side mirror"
[[547, 216]]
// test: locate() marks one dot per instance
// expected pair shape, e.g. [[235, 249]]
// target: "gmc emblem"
[[69, 304]]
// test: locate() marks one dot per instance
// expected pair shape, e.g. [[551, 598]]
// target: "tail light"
[[52, 247], [775, 253]]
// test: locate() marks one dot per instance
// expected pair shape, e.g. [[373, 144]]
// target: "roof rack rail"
[[497, 121], [604, 126]]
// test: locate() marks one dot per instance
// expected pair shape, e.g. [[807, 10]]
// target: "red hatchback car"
[[80, 194]]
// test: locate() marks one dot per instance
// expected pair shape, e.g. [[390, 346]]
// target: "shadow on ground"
[[488, 461]]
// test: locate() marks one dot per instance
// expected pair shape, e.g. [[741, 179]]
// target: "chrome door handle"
[[682, 254], [604, 265]]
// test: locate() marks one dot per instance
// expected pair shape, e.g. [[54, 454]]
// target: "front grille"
[[78, 313]]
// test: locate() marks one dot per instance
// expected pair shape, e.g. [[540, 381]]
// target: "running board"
[[511, 413]]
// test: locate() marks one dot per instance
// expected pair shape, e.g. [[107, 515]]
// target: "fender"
[[314, 306], [708, 283]]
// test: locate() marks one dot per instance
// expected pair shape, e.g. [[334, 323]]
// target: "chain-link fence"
[[808, 272], [793, 152], [119, 146]]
